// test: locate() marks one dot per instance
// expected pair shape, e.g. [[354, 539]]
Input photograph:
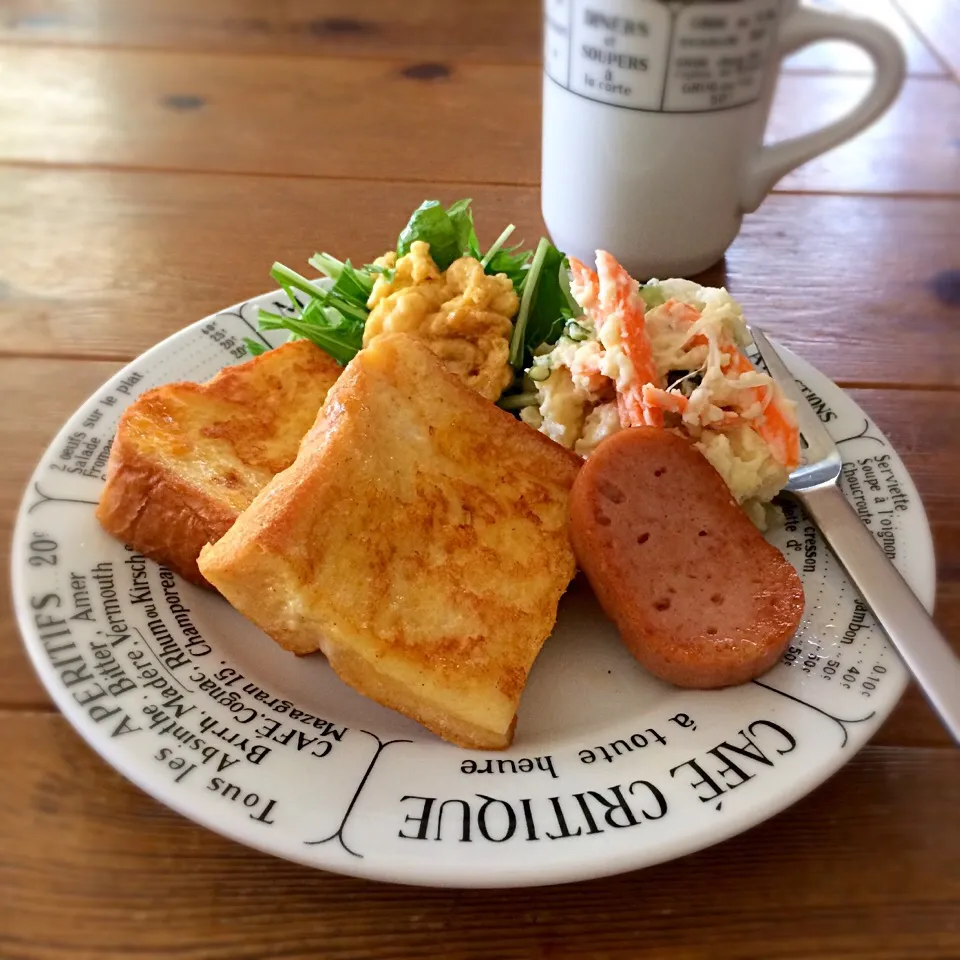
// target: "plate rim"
[[629, 858]]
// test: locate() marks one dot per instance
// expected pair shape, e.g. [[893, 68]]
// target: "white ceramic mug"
[[654, 114]]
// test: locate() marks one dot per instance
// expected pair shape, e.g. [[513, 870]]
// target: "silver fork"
[[815, 483]]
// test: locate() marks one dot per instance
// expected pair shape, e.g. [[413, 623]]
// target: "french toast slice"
[[188, 458], [420, 540]]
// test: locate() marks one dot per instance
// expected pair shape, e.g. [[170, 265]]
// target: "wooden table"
[[157, 155]]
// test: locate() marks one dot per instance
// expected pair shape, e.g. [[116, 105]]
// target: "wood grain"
[[460, 123], [497, 31], [835, 56], [921, 424], [105, 264], [939, 23], [157, 155], [79, 842], [912, 723], [911, 149], [836, 280]]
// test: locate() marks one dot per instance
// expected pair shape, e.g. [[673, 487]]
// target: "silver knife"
[[815, 483]]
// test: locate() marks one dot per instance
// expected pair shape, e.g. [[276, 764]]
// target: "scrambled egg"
[[463, 315]]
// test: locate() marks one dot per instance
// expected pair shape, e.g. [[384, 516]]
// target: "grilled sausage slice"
[[700, 598]]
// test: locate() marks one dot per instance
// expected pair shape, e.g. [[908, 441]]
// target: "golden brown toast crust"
[[420, 540], [188, 458]]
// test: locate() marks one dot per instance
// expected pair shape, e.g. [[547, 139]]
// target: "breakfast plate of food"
[[466, 567]]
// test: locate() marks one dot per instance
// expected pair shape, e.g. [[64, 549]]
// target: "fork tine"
[[819, 442]]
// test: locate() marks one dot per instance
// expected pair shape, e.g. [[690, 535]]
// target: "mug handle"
[[804, 27]]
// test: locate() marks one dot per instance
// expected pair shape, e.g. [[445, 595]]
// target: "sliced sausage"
[[700, 598]]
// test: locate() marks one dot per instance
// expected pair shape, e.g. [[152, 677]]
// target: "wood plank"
[[838, 57], [912, 724], [498, 31], [939, 23], [105, 264], [900, 153], [854, 282], [921, 424], [456, 123], [270, 114], [124, 876]]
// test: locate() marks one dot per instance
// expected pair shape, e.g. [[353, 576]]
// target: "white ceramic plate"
[[610, 770]]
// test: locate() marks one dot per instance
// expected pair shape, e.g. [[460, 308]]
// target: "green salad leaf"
[[496, 245], [432, 224], [349, 284], [571, 308], [332, 313], [461, 216], [513, 262], [546, 312], [379, 270], [518, 341], [333, 331], [451, 235], [652, 295], [546, 303]]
